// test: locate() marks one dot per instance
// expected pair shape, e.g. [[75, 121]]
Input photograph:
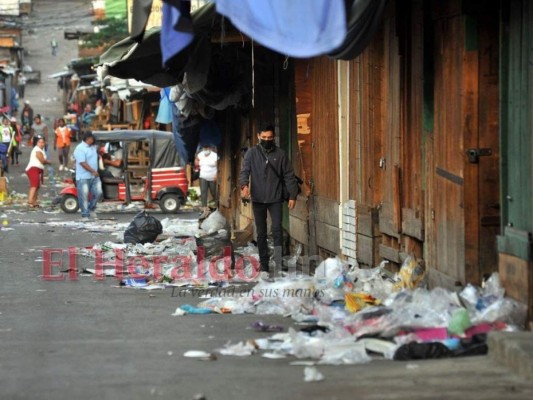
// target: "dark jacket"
[[266, 186]]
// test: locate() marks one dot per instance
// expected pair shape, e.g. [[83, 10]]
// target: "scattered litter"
[[303, 363], [260, 326], [379, 346], [195, 310], [178, 312], [241, 349], [311, 374], [214, 222], [201, 355], [412, 274], [143, 229], [273, 356], [345, 352]]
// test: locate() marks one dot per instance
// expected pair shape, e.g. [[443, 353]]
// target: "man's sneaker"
[[85, 219]]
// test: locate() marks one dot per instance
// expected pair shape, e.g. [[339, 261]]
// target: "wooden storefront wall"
[[324, 203], [386, 126], [366, 135], [317, 155], [411, 123]]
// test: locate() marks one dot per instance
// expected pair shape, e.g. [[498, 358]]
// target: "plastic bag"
[[143, 229], [412, 274], [214, 222], [329, 279]]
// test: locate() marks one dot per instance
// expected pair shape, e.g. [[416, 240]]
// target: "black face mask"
[[267, 144]]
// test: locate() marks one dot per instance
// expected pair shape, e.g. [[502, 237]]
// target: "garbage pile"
[[350, 314], [170, 253]]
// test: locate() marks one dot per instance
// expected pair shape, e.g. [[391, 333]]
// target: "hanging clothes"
[[298, 28], [179, 143], [164, 113], [176, 28]]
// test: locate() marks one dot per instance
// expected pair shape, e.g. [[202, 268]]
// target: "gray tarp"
[[164, 153], [364, 19]]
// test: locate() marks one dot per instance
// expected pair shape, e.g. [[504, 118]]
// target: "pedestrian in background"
[[35, 169], [87, 116], [22, 84], [87, 177], [15, 142], [6, 136], [206, 161], [265, 190], [26, 117], [62, 143], [14, 102], [38, 128], [53, 44]]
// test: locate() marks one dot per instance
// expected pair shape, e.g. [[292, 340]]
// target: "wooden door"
[[463, 186]]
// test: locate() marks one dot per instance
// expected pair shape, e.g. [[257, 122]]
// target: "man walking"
[[53, 44], [269, 169], [87, 178]]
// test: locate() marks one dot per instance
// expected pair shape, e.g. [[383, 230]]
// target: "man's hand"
[[245, 192], [95, 173], [291, 204]]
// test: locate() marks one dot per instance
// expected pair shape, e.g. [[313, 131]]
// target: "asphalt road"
[[88, 339]]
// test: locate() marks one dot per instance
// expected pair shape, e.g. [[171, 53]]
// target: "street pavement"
[[89, 339]]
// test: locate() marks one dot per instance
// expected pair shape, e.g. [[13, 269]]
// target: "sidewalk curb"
[[514, 350]]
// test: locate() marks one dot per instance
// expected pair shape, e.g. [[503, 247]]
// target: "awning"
[[60, 74], [143, 61]]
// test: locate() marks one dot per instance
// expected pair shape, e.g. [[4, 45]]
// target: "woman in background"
[[62, 143], [15, 141], [35, 170]]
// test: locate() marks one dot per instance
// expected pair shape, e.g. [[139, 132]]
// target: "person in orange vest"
[[62, 143]]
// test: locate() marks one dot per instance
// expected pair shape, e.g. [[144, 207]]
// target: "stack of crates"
[[139, 154]]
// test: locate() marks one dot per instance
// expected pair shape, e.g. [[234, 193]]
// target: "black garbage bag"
[[143, 229], [216, 245]]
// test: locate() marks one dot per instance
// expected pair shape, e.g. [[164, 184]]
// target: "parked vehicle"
[[150, 172]]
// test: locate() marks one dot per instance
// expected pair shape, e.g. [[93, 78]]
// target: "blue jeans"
[[3, 155], [92, 186]]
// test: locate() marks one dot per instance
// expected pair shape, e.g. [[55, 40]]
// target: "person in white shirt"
[[207, 160], [35, 169], [6, 137]]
